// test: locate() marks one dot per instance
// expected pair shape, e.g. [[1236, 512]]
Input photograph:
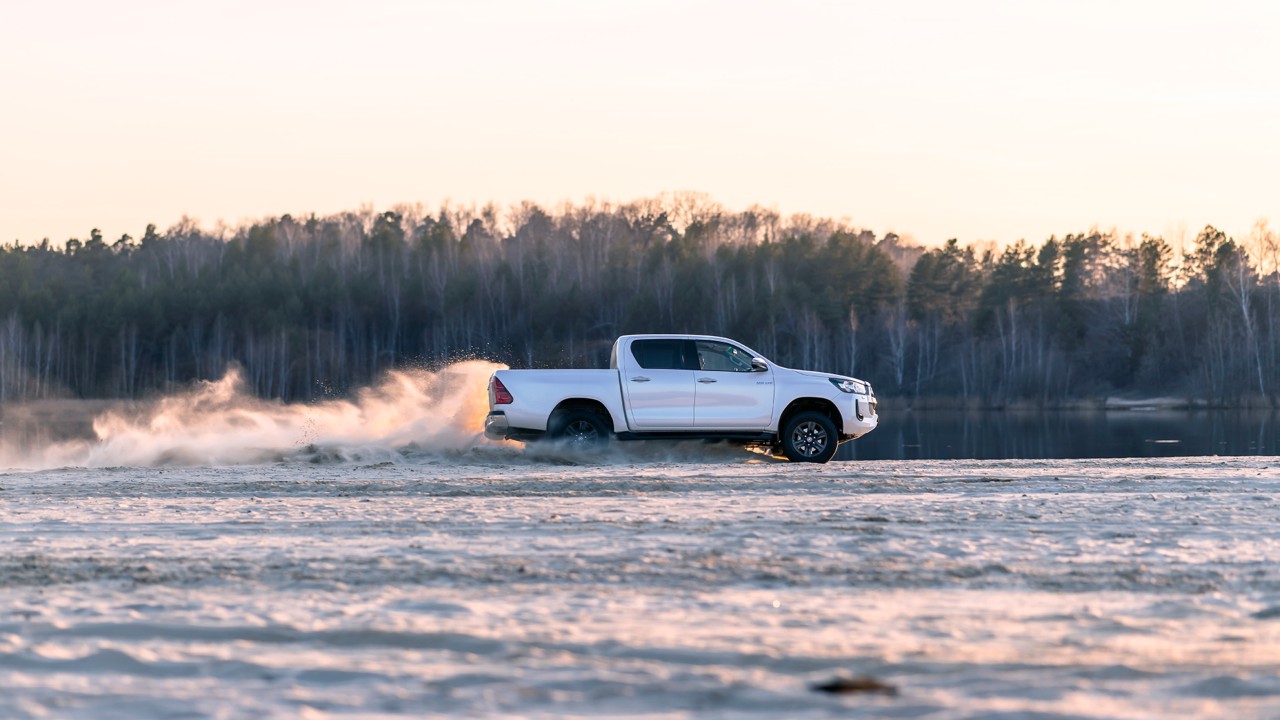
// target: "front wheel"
[[580, 429], [809, 437]]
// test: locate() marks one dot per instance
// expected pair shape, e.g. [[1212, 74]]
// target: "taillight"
[[500, 394]]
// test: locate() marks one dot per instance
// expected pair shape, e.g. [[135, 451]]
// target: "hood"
[[832, 376], [813, 374]]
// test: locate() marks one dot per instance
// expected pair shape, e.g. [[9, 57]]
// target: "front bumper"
[[864, 418], [865, 407]]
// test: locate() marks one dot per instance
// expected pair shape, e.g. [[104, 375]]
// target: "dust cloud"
[[219, 423], [409, 416]]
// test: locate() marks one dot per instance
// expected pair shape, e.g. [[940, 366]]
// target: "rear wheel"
[[579, 429], [809, 437]]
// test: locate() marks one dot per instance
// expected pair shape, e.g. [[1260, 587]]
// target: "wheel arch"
[[588, 404], [806, 404]]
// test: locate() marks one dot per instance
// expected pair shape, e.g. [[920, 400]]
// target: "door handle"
[[706, 380], [640, 378]]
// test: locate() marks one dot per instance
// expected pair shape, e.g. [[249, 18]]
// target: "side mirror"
[[759, 365]]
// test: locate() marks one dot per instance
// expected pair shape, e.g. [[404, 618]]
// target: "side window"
[[722, 357], [659, 354]]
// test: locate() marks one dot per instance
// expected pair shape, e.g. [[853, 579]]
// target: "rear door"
[[658, 383], [730, 393]]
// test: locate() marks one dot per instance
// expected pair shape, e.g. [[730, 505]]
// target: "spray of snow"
[[219, 423]]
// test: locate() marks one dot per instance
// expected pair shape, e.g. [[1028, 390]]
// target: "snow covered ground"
[[490, 583], [366, 577]]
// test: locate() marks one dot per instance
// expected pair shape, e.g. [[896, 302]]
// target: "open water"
[[1008, 435]]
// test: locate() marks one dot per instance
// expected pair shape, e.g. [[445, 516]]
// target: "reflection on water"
[[28, 429], [991, 435]]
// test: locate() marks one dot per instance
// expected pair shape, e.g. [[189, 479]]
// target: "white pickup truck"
[[682, 387]]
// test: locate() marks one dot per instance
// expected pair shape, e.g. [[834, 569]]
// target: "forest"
[[315, 307]]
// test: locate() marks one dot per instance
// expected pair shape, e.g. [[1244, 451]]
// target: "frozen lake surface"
[[702, 581]]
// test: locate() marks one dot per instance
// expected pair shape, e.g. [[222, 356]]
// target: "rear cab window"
[[663, 354]]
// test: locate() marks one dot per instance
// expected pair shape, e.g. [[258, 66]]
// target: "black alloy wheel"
[[580, 429], [810, 437]]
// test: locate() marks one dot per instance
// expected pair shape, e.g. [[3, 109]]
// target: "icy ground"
[[492, 582]]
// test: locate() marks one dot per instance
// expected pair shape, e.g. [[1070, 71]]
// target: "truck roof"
[[681, 336]]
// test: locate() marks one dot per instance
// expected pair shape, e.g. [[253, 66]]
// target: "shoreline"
[[1094, 404]]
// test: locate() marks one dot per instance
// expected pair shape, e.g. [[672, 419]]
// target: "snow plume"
[[218, 423]]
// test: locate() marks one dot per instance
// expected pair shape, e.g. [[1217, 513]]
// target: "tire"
[[579, 429], [809, 437]]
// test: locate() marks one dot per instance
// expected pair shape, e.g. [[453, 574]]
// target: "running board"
[[738, 436]]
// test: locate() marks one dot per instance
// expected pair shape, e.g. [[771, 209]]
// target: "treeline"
[[316, 306]]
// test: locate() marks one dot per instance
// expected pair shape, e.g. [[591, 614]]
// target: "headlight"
[[850, 386]]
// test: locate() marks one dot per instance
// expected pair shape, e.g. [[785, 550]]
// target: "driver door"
[[730, 393]]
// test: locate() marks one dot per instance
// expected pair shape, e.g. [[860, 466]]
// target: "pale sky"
[[981, 120]]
